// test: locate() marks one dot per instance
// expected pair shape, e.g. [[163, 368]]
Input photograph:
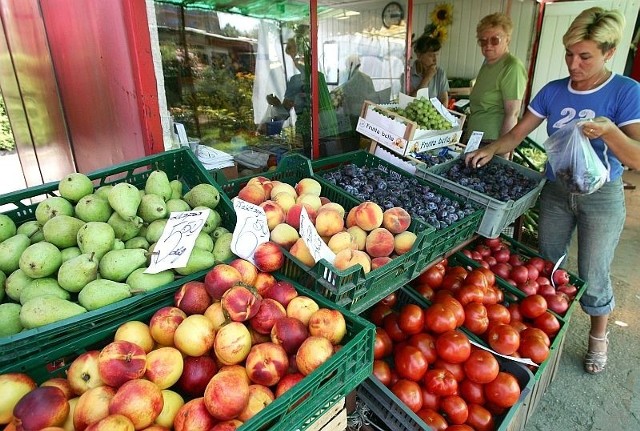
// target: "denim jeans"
[[599, 218]]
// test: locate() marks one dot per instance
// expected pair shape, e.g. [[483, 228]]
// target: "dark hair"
[[426, 44]]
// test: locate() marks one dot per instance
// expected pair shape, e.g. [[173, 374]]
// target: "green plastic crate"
[[498, 214], [49, 342]]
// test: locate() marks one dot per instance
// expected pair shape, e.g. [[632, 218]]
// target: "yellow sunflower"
[[442, 14], [441, 33]]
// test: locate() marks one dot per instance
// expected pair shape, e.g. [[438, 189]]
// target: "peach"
[[121, 361], [308, 185], [274, 212], [92, 406], [196, 373], [46, 406], [267, 363], [368, 215], [269, 312], [313, 352], [300, 251], [192, 297], [341, 241], [230, 425], [380, 242], [247, 270], [226, 395], [302, 308], [163, 324], [83, 373], [377, 262], [164, 366], [252, 193], [140, 400], [232, 343], [260, 397], [289, 332], [282, 291], [280, 187], [287, 382], [257, 338], [284, 200], [284, 235], [172, 401], [215, 313], [193, 416], [348, 258], [62, 384], [336, 206], [293, 216], [240, 303], [136, 332], [264, 182], [115, 422], [351, 218], [396, 220], [312, 200], [359, 236], [264, 281], [268, 257], [14, 386], [195, 335], [403, 242], [220, 278], [329, 324], [328, 222]]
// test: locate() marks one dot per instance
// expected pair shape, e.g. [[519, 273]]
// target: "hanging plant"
[[442, 15]]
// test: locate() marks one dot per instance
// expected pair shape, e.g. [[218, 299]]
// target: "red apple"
[[267, 363], [569, 289], [519, 274], [192, 298], [502, 269], [515, 259], [560, 277], [557, 302], [529, 287], [121, 361], [196, 373], [538, 262]]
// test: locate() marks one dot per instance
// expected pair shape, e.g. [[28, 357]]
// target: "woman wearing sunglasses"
[[496, 97], [610, 105]]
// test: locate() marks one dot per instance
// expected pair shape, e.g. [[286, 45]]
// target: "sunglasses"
[[493, 40]]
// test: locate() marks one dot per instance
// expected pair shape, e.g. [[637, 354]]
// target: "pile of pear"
[[88, 247]]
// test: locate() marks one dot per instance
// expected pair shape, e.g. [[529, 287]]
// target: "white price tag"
[[251, 229], [177, 240], [555, 268], [474, 141], [315, 244], [525, 361]]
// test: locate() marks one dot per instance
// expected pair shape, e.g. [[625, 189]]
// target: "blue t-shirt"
[[618, 99]]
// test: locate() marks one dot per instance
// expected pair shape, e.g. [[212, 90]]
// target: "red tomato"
[[480, 419], [382, 371], [498, 313], [535, 332], [390, 299], [458, 271], [548, 323], [390, 324], [470, 293], [429, 400], [475, 318], [426, 343], [394, 377], [378, 312], [455, 369], [454, 305], [533, 306], [514, 310], [453, 346], [439, 381], [425, 291], [432, 277], [409, 393], [490, 295], [452, 282], [503, 391], [477, 278], [460, 427], [441, 294], [519, 325], [534, 348], [411, 319], [471, 392], [481, 367], [454, 409], [504, 339], [410, 363], [382, 346], [489, 275], [433, 419], [438, 318]]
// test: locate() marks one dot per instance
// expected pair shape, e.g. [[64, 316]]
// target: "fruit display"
[[422, 111], [426, 361], [432, 158], [421, 200], [214, 359], [87, 249]]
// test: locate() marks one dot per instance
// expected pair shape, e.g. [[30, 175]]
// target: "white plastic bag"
[[573, 160]]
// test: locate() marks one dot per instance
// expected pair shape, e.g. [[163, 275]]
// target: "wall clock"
[[392, 14]]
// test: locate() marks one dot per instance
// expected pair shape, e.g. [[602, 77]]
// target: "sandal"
[[595, 361]]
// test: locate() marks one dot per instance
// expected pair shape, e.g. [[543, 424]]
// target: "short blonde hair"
[[495, 20], [604, 27]]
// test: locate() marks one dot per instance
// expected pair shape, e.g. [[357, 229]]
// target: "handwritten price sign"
[[251, 229], [177, 240], [315, 244]]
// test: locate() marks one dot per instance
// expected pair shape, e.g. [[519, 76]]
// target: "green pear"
[[177, 205], [100, 293], [74, 186], [93, 207], [222, 248], [15, 283], [51, 207], [158, 184], [204, 195], [125, 198], [140, 282], [155, 229], [43, 286], [118, 244], [125, 229], [3, 278], [62, 231], [103, 191], [96, 237], [199, 260], [7, 227], [10, 318], [33, 230], [204, 242], [143, 231], [213, 219], [43, 310], [152, 207], [40, 260], [10, 251], [69, 253], [137, 242], [217, 232], [176, 189], [75, 273], [116, 265]]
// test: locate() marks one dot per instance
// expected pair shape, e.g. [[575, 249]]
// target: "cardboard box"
[[402, 135]]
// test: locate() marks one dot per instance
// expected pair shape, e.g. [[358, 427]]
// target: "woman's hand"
[[480, 157]]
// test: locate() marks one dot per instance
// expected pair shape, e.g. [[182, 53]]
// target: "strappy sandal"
[[595, 361]]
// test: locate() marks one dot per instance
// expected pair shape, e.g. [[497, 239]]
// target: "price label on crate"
[[173, 249], [315, 244], [474, 141], [251, 229]]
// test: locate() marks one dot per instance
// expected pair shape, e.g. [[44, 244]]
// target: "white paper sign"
[[251, 229], [177, 240], [474, 141], [315, 244], [182, 134], [555, 268], [526, 361]]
